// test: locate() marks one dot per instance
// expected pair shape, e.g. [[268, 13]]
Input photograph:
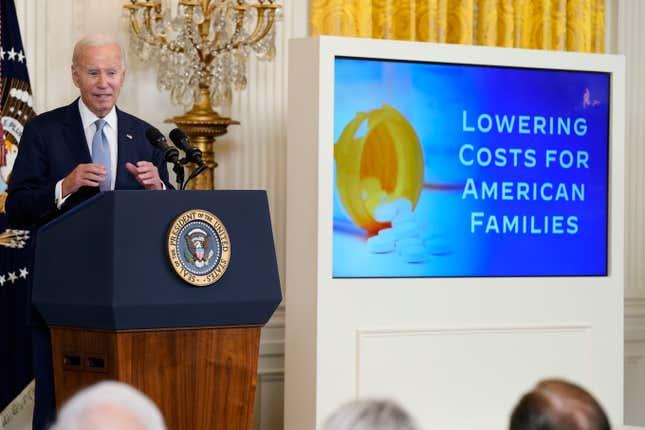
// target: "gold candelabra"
[[201, 53]]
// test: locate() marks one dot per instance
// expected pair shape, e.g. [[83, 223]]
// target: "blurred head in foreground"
[[370, 415], [109, 406]]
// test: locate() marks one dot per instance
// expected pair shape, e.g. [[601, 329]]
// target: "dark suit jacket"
[[52, 145]]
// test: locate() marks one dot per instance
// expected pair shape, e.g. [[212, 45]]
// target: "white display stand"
[[457, 352]]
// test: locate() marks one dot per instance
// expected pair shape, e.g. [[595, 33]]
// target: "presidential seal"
[[199, 248]]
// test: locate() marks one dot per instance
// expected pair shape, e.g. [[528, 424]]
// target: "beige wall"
[[625, 37]]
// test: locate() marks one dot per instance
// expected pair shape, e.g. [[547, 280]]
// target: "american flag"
[[16, 252]]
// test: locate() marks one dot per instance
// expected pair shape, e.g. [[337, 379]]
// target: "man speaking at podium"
[[70, 154]]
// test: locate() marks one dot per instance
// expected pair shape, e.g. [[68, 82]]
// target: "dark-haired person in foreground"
[[558, 405], [70, 154]]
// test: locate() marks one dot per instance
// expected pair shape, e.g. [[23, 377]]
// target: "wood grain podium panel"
[[201, 378]]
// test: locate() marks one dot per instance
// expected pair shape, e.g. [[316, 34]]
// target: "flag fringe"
[[23, 400]]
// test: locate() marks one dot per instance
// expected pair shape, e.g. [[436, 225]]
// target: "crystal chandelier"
[[201, 53], [204, 46]]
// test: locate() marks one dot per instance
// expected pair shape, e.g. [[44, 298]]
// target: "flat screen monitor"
[[469, 170]]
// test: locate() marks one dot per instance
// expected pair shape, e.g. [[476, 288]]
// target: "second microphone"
[[182, 142]]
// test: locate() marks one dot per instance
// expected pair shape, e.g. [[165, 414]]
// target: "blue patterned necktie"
[[101, 153]]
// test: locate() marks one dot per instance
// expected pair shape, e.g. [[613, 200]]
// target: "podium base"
[[201, 378]]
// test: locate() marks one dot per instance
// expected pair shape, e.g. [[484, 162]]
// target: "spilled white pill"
[[379, 245], [385, 212], [387, 233], [414, 254], [403, 244], [413, 240], [408, 229], [402, 218]]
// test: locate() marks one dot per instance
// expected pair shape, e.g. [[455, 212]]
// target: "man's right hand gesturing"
[[83, 175]]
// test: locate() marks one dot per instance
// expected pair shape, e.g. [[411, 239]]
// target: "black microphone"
[[157, 140], [182, 142]]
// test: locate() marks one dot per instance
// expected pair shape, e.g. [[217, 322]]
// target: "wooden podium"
[[118, 311]]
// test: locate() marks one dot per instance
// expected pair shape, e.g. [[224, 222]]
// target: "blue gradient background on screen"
[[433, 97]]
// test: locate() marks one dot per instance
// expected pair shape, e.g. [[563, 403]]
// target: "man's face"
[[99, 76]]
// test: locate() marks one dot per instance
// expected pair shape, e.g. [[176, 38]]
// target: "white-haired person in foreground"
[[109, 406], [370, 415]]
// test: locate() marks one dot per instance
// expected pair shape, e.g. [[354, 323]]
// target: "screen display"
[[447, 170]]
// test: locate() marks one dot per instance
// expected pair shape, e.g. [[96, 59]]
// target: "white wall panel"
[[635, 382], [503, 360], [635, 360], [324, 313]]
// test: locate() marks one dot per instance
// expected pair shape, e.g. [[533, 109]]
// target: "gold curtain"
[[572, 25]]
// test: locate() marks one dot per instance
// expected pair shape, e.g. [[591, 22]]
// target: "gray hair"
[[370, 415], [103, 400], [93, 40]]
